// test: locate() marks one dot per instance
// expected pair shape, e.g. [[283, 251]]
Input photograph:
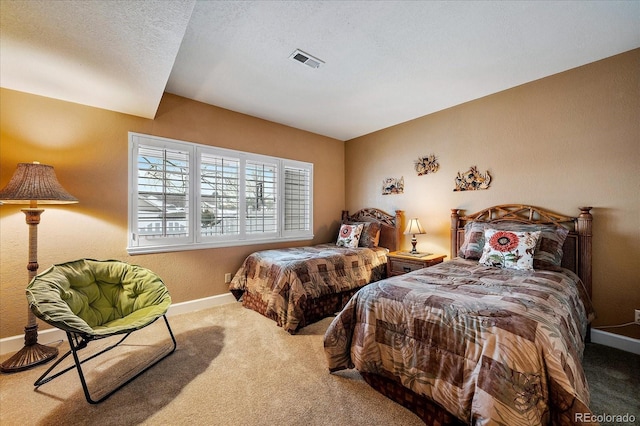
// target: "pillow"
[[473, 243], [349, 235], [548, 254], [509, 250], [549, 251], [370, 236]]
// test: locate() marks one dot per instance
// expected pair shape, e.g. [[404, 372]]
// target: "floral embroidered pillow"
[[548, 254], [370, 236], [549, 250], [509, 250], [349, 235]]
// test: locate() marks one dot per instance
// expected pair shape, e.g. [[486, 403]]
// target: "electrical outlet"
[[227, 280], [637, 316]]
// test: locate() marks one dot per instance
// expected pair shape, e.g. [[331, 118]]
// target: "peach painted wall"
[[88, 149], [568, 140]]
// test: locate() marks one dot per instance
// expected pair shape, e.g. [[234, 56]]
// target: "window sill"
[[201, 246]]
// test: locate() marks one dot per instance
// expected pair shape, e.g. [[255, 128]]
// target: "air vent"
[[306, 59]]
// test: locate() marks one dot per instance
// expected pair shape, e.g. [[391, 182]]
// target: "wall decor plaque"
[[393, 186], [426, 165], [472, 180]]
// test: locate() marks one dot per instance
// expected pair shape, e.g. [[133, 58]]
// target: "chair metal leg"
[[78, 343]]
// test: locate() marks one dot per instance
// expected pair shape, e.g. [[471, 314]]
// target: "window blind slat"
[[163, 188], [260, 197], [297, 199], [220, 195]]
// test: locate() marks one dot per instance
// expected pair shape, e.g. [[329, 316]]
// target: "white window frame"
[[195, 239]]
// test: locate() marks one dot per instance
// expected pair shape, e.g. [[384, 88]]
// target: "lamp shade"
[[35, 182], [414, 227]]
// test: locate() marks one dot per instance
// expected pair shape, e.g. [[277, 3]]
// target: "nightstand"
[[398, 264]]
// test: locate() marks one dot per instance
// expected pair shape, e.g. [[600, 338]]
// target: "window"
[[186, 196]]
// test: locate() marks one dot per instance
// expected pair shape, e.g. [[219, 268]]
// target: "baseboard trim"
[[617, 341], [200, 304], [54, 335]]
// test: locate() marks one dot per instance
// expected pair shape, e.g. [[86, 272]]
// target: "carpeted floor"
[[614, 381], [235, 367]]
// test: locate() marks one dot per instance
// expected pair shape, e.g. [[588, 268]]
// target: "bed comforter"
[[490, 346], [285, 279]]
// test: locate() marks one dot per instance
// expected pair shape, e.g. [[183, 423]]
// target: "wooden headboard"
[[390, 229], [576, 249]]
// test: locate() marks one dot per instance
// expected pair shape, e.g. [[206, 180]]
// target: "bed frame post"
[[455, 222], [399, 228], [583, 228]]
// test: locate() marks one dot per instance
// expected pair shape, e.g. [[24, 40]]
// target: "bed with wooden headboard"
[[301, 285], [482, 338], [577, 245]]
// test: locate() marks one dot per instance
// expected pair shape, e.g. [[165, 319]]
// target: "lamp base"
[[414, 241], [30, 355]]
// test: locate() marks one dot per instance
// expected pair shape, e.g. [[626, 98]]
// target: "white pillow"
[[349, 235], [509, 250]]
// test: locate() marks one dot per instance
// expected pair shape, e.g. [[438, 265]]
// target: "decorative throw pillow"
[[473, 243], [349, 235], [509, 250], [549, 250], [548, 253], [370, 236]]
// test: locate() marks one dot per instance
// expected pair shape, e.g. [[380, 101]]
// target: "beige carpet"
[[232, 367]]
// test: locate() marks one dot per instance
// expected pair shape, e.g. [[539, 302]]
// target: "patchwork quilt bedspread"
[[489, 345], [284, 279]]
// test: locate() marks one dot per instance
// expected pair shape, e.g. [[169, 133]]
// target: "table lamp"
[[414, 228]]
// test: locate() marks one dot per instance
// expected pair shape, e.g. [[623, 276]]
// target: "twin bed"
[[301, 285], [494, 336], [466, 342]]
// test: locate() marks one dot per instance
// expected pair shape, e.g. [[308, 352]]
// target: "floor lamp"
[[33, 183]]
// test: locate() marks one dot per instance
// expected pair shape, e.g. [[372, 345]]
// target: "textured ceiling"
[[115, 55], [386, 62]]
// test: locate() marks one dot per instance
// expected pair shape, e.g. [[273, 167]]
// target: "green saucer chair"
[[92, 299]]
